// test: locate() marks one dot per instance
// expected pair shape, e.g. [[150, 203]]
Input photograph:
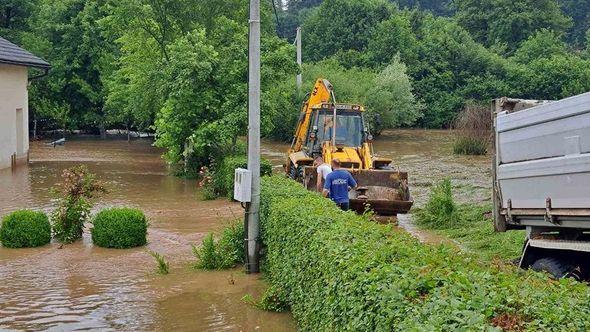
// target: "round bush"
[[120, 228], [25, 229]]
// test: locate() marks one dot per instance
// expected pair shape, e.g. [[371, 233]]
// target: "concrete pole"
[[252, 265], [299, 62]]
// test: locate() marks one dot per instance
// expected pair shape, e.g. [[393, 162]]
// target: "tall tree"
[[342, 25], [504, 24]]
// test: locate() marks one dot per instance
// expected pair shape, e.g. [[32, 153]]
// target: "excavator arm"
[[320, 94]]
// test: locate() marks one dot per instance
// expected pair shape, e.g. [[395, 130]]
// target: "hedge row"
[[223, 178], [340, 271], [113, 228]]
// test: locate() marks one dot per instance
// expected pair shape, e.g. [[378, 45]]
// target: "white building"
[[14, 102]]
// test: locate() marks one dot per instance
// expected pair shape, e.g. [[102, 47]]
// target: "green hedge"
[[25, 229], [119, 228], [223, 178], [340, 271]]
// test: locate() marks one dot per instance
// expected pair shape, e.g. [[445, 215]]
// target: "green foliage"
[[223, 176], [341, 25], [224, 253], [476, 233], [506, 23], [543, 44], [119, 228], [440, 211], [470, 146], [79, 186], [273, 299], [339, 271], [25, 229], [391, 98], [163, 266]]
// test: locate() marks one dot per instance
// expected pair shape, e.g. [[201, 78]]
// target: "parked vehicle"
[[541, 180]]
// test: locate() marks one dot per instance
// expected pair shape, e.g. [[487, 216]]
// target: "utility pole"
[[252, 263], [299, 62]]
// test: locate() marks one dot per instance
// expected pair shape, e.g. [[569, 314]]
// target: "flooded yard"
[[84, 287]]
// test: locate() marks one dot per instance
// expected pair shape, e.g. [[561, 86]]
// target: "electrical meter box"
[[242, 185]]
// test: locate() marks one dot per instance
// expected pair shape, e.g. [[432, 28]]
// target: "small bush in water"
[[79, 186], [25, 228], [120, 228], [470, 146], [224, 253], [440, 211], [473, 130], [163, 266]]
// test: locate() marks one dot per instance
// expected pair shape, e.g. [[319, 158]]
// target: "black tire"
[[557, 268], [292, 171]]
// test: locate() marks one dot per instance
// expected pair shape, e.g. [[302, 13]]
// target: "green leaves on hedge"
[[340, 271], [25, 228], [120, 228], [223, 177]]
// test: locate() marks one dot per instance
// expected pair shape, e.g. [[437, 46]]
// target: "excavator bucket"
[[383, 191]]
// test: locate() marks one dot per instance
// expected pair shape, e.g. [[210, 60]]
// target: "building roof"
[[14, 55]]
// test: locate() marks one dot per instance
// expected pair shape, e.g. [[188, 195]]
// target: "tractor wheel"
[[292, 171], [557, 268]]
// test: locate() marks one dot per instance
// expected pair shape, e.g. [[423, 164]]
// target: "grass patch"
[[473, 127], [470, 225], [340, 271], [470, 146], [163, 266], [227, 252]]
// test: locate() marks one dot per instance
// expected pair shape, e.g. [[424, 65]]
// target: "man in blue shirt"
[[337, 185]]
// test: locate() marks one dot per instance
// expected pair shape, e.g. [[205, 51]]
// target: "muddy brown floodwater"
[[86, 287]]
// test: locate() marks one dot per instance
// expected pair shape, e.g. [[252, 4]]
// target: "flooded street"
[[86, 287]]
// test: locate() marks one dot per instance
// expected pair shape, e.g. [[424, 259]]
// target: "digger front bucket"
[[383, 191]]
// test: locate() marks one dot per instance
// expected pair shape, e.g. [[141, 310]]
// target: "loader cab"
[[351, 129]]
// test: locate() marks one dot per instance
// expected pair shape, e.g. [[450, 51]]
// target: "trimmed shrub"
[[224, 253], [440, 211], [340, 271], [25, 229], [120, 228], [223, 177]]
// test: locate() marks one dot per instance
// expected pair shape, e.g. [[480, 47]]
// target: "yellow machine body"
[[339, 131]]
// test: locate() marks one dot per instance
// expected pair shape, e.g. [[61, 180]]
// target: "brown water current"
[[85, 287]]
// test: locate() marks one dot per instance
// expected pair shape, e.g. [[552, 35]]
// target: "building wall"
[[13, 97]]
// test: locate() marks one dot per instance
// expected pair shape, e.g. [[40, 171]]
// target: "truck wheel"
[[557, 268]]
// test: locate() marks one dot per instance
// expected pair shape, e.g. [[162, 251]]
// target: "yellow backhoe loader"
[[331, 130]]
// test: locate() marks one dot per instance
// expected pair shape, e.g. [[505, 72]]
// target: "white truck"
[[541, 180]]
